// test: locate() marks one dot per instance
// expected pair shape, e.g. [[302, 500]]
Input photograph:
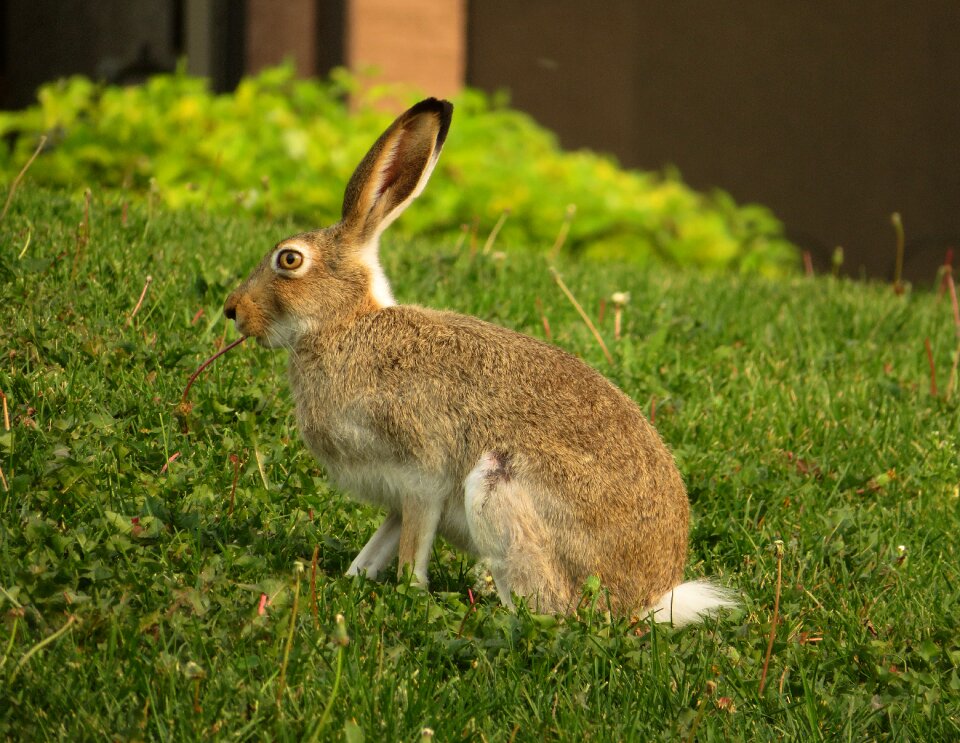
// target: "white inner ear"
[[370, 253], [392, 215]]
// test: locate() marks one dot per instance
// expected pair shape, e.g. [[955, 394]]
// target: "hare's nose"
[[230, 308]]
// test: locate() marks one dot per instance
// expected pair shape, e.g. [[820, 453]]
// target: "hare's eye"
[[289, 260]]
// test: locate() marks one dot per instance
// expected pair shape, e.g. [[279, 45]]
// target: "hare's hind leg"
[[510, 535], [379, 549]]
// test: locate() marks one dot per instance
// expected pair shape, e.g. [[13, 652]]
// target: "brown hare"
[[510, 448]]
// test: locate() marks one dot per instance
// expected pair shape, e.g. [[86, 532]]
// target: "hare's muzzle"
[[250, 320]]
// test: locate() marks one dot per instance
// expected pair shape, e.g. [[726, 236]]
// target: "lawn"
[[180, 579]]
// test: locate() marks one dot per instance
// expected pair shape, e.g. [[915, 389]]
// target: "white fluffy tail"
[[691, 602]]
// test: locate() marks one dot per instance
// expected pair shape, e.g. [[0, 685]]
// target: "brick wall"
[[420, 43]]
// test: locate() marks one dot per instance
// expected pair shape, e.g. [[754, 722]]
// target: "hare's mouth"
[[242, 329], [261, 332]]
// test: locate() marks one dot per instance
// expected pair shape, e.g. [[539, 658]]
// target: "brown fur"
[[509, 447]]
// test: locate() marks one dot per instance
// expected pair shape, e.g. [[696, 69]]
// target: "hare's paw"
[[379, 550], [420, 518]]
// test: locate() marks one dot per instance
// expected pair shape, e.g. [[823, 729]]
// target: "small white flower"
[[620, 298]]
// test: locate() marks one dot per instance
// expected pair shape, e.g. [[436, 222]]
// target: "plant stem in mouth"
[[205, 364]]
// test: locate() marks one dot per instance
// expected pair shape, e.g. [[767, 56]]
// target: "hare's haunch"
[[509, 447]]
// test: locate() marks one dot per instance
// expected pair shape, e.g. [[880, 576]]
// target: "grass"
[[137, 603]]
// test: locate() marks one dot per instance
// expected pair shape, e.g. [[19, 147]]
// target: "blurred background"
[[834, 115]]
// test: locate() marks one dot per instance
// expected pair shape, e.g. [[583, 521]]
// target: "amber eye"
[[289, 260]]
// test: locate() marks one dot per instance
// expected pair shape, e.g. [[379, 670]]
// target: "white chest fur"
[[388, 485], [362, 463]]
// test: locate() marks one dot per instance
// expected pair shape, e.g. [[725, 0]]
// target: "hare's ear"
[[396, 169]]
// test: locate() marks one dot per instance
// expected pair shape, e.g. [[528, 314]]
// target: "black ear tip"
[[441, 108]]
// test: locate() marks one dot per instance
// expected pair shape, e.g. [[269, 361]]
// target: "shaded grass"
[[798, 410]]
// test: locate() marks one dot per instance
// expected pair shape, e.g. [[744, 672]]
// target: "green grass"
[[799, 410]]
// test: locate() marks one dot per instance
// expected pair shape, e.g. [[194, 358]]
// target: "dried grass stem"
[[586, 318]]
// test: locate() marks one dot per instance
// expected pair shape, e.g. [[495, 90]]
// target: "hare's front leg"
[[417, 532], [380, 548]]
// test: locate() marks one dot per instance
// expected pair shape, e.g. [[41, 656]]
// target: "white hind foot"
[[380, 549], [509, 534]]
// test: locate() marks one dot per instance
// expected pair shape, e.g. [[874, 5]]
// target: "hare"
[[510, 448]]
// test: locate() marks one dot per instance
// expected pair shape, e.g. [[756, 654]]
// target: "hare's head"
[[330, 275]]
